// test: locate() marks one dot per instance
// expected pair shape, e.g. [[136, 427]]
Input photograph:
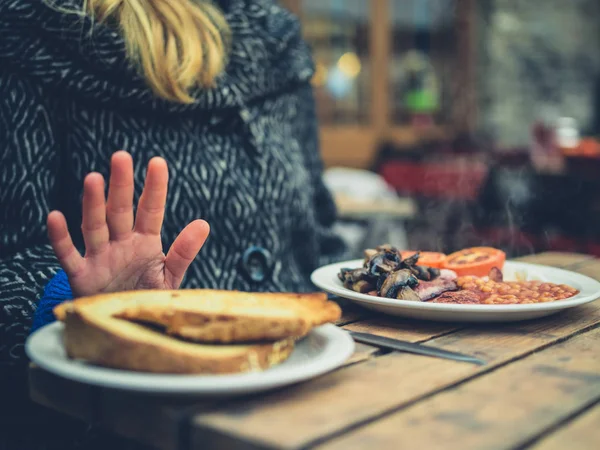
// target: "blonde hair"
[[178, 45]]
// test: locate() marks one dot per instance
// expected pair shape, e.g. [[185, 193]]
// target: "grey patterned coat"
[[245, 157]]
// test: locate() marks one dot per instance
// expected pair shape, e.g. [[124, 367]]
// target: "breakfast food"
[[429, 259], [230, 316], [459, 298], [470, 276], [386, 273], [492, 292], [427, 290], [111, 329], [476, 261], [94, 335]]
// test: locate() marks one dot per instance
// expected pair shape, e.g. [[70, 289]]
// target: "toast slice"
[[217, 316], [93, 333]]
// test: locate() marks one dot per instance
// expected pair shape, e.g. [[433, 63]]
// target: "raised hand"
[[120, 254]]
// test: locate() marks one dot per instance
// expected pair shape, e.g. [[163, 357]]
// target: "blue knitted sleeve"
[[56, 291]]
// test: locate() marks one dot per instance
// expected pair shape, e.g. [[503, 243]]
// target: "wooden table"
[[540, 390], [398, 208]]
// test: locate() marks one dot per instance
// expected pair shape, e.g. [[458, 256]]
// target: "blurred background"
[[453, 123]]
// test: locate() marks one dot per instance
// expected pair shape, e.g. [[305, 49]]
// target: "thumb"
[[184, 250]]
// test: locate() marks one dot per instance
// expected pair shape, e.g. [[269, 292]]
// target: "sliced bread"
[[217, 316], [93, 333]]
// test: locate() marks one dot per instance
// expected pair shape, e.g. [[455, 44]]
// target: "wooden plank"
[[409, 330], [362, 352], [351, 312], [295, 417], [155, 420], [590, 268], [556, 259], [352, 208], [65, 396], [348, 145], [580, 434], [379, 34], [493, 343], [349, 317], [316, 410], [150, 420], [501, 411]]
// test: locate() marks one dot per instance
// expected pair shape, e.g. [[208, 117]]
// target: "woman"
[[219, 92]]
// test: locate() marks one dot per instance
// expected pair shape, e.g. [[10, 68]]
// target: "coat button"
[[256, 264]]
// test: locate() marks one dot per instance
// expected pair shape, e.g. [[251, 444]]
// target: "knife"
[[411, 347]]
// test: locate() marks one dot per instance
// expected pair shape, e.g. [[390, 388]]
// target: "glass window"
[[338, 31], [423, 60]]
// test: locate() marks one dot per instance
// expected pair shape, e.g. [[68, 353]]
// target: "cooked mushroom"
[[382, 262], [362, 286], [422, 273], [412, 261], [350, 275], [342, 273], [406, 293], [381, 280], [385, 272], [356, 279], [398, 285], [369, 253], [387, 248], [434, 272]]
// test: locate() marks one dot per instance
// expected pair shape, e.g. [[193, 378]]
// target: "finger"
[[93, 224], [62, 244], [184, 250], [151, 207], [119, 206]]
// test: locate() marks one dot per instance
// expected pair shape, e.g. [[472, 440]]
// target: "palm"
[[134, 263], [120, 254]]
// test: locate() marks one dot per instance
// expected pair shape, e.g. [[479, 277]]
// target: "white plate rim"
[[592, 292], [338, 349]]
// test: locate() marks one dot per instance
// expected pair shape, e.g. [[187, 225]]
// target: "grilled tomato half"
[[429, 259], [477, 261]]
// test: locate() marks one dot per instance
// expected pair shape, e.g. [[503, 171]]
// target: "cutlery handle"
[[411, 347]]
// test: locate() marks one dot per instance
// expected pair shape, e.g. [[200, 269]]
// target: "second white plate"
[[327, 279]]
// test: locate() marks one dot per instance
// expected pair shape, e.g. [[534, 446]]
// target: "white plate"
[[324, 349], [327, 279]]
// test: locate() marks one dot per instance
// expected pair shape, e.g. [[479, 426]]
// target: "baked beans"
[[511, 292]]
